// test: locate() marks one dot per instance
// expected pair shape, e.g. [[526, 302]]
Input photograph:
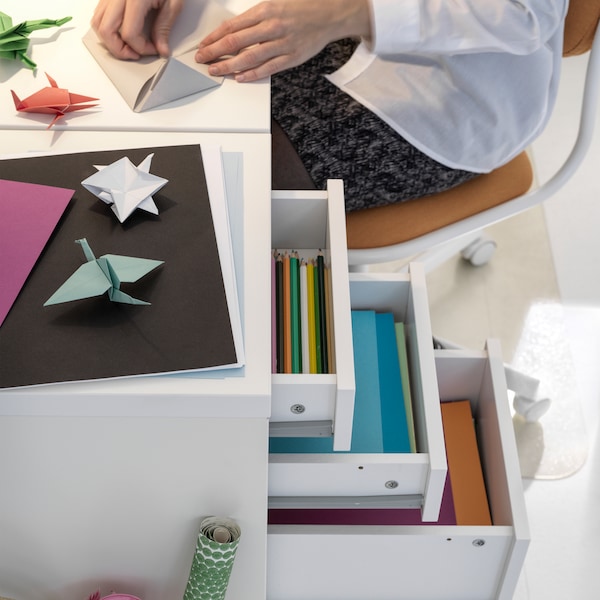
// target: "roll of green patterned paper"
[[213, 560]]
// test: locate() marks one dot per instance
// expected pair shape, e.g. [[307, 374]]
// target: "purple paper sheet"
[[364, 516], [28, 215]]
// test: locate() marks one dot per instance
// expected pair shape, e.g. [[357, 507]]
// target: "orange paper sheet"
[[464, 465]]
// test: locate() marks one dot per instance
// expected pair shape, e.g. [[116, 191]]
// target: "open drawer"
[[410, 479], [302, 404], [422, 561]]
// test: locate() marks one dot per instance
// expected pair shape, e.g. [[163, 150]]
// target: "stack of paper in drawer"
[[464, 465]]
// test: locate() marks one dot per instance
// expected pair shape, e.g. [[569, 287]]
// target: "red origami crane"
[[53, 101]]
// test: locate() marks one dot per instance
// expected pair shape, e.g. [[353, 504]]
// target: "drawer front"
[[412, 563], [388, 475]]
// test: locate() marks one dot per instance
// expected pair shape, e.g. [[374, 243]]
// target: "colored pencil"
[[329, 314], [279, 311], [322, 331], [304, 317], [287, 316], [295, 339], [310, 292], [317, 304]]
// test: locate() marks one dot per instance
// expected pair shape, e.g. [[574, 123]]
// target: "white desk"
[[104, 484]]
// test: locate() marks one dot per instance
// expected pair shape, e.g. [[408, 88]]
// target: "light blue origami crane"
[[104, 274], [14, 39]]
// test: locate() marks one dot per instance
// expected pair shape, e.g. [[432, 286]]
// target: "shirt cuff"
[[395, 26]]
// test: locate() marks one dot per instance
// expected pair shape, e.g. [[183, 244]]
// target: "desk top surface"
[[214, 118], [244, 393], [61, 53]]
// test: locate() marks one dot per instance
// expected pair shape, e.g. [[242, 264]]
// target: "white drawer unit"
[[425, 561]]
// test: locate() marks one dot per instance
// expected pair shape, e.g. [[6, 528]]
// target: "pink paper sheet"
[[28, 215]]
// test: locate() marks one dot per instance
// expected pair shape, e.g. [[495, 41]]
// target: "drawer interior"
[[317, 404]]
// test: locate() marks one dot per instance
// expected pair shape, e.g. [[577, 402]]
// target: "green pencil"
[[295, 313]]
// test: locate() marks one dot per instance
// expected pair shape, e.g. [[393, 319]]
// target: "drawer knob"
[[297, 409]]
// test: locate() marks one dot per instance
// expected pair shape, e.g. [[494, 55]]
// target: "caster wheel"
[[479, 252]]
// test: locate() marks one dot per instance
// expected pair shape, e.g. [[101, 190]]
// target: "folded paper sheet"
[[126, 187], [52, 100], [14, 39], [28, 215], [213, 560], [104, 274], [153, 81]]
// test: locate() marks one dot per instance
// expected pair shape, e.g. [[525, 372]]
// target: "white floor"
[[543, 287]]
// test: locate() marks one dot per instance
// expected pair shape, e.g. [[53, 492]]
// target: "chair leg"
[[356, 269], [438, 255], [476, 247], [526, 401]]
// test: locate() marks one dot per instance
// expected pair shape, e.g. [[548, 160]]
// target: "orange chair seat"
[[397, 223]]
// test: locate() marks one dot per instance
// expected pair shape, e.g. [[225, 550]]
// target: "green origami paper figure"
[[14, 39], [104, 274]]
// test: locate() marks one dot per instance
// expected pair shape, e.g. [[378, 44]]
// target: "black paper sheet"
[[186, 327]]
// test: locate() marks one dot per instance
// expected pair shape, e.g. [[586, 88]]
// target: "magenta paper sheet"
[[28, 215]]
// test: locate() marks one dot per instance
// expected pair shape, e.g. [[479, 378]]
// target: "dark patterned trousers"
[[338, 138]]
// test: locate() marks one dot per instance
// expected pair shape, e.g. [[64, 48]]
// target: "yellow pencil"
[[312, 342]]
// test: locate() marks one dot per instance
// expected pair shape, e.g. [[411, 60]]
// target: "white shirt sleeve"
[[463, 26]]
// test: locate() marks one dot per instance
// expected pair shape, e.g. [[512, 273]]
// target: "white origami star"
[[126, 187]]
